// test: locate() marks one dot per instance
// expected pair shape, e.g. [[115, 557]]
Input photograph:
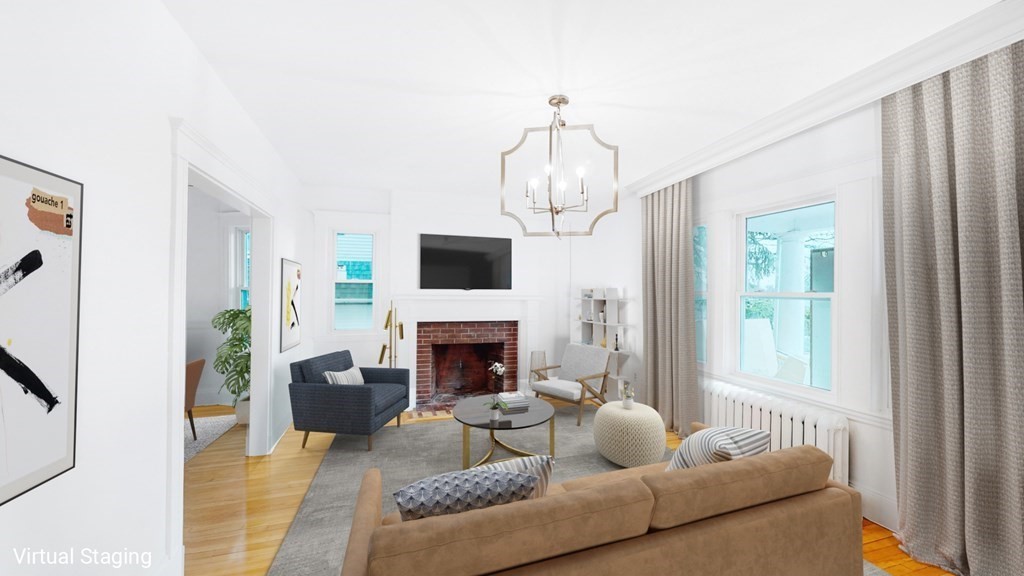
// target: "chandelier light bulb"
[[561, 185], [580, 171], [547, 168]]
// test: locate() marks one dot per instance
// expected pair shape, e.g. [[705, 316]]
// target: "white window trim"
[[327, 225], [739, 283], [232, 223]]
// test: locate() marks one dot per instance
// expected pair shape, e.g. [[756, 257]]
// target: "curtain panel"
[[953, 188], [669, 330]]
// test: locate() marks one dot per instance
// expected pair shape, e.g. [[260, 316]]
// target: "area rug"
[[872, 570], [207, 429], [315, 544]]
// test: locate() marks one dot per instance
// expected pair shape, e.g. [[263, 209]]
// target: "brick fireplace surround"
[[430, 333]]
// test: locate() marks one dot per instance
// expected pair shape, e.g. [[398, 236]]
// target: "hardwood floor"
[[882, 549], [238, 509]]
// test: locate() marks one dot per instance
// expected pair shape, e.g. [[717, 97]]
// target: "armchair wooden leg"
[[399, 419], [193, 424], [579, 418], [304, 438], [369, 443]]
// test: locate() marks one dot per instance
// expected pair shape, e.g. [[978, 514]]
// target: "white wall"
[[90, 89], [838, 160], [546, 270]]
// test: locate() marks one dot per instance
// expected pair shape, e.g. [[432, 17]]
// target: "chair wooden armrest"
[[538, 371], [588, 388], [583, 379]]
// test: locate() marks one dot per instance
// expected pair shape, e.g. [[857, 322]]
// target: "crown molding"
[[991, 29]]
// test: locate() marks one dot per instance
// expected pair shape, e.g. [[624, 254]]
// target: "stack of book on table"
[[517, 403]]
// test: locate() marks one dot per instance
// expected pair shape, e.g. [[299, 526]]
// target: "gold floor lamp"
[[396, 332]]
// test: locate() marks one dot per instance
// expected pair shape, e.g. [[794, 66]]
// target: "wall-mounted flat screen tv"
[[465, 262]]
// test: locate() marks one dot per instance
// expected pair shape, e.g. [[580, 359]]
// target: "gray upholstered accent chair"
[[341, 408], [582, 377]]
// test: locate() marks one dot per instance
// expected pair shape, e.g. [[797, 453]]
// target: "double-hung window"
[[786, 300], [242, 270], [353, 281], [700, 290]]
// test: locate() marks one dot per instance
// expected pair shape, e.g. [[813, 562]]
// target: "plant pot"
[[495, 415], [242, 411], [627, 403]]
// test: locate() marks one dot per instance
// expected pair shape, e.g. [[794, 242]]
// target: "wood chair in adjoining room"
[[582, 377], [193, 372]]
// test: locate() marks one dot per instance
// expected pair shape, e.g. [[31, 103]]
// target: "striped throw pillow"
[[351, 376], [456, 492], [719, 445], [539, 466]]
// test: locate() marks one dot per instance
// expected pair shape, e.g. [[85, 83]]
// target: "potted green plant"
[[233, 359], [496, 405]]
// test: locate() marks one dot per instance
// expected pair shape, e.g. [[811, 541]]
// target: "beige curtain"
[[669, 332], [953, 149]]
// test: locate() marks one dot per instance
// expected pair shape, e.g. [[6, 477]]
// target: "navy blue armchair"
[[346, 409]]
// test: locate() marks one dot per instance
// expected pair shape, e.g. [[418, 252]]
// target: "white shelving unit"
[[599, 319]]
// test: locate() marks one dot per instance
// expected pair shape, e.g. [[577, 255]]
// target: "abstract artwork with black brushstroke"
[[291, 297], [40, 248]]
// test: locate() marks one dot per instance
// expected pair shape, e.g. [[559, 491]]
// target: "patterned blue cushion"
[[712, 445], [539, 466], [456, 492]]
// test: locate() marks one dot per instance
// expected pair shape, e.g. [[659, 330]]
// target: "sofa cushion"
[[385, 396], [539, 466], [351, 376], [559, 388], [691, 494], [500, 537], [464, 490], [719, 445]]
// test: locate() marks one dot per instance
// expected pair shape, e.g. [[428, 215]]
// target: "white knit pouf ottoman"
[[629, 438]]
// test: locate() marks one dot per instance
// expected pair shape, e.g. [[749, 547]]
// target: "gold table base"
[[495, 442]]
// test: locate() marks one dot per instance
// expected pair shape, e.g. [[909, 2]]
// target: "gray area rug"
[[315, 543], [208, 430], [872, 570]]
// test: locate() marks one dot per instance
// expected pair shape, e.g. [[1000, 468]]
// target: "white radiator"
[[790, 423]]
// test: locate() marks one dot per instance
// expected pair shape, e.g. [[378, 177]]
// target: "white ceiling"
[[423, 95]]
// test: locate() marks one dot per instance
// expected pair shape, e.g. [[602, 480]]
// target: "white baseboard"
[[878, 507]]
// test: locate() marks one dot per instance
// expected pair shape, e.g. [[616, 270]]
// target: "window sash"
[[366, 319]]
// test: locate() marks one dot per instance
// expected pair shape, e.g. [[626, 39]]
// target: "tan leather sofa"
[[772, 514]]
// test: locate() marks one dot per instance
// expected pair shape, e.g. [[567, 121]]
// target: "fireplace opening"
[[462, 370], [440, 347]]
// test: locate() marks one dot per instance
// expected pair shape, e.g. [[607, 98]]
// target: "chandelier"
[[547, 177]]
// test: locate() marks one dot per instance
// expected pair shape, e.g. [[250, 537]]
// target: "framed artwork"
[[40, 255], [291, 325]]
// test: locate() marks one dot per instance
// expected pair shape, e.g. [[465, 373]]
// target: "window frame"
[[373, 282], [739, 283], [706, 294], [237, 280]]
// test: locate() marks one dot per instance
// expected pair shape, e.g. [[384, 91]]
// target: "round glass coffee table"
[[472, 413]]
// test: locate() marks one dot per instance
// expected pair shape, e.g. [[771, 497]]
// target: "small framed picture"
[[291, 297]]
